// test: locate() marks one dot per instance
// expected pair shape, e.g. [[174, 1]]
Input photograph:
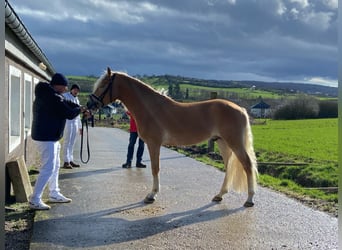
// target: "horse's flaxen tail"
[[250, 151], [237, 178]]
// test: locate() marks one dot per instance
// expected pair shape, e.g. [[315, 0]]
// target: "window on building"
[[14, 107]]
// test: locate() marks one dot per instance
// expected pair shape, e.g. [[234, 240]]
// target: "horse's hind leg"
[[225, 153], [247, 165], [154, 155]]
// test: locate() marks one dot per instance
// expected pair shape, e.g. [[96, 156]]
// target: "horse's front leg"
[[154, 151], [226, 153]]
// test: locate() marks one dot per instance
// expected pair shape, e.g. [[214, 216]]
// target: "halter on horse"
[[163, 121]]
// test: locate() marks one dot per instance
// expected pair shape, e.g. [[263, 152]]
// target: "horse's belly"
[[184, 138]]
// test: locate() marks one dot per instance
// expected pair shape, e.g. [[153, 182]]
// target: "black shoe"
[[67, 165], [126, 165], [140, 165], [74, 165]]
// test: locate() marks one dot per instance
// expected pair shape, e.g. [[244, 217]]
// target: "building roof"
[[261, 105], [15, 24]]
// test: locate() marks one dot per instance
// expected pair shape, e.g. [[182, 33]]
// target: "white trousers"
[[70, 132], [48, 173]]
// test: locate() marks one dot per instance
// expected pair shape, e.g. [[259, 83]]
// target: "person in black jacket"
[[50, 111]]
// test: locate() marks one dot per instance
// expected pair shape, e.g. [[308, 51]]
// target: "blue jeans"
[[132, 140]]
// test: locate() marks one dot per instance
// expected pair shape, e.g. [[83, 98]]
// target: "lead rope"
[[84, 122]]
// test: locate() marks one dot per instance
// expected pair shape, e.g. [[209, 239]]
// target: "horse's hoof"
[[248, 204], [217, 199], [149, 200]]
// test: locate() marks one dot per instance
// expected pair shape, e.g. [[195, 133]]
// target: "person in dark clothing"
[[50, 111], [133, 136]]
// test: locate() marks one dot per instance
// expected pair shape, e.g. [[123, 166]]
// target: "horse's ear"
[[109, 71]]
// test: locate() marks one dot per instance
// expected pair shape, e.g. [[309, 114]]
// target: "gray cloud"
[[275, 40]]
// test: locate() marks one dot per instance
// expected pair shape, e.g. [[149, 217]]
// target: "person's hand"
[[83, 109], [86, 114]]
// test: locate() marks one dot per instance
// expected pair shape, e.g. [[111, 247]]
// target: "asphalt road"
[[108, 212]]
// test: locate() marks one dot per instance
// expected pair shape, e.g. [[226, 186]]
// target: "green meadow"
[[313, 142], [301, 140]]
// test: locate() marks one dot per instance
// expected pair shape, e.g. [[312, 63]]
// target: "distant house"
[[261, 110]]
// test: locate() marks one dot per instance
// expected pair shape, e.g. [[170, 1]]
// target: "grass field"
[[300, 141], [314, 140]]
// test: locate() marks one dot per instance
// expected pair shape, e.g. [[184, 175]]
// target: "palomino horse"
[[163, 121]]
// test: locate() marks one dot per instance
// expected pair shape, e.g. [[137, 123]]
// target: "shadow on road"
[[108, 228], [74, 175]]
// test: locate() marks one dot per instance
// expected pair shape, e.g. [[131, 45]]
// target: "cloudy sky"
[[268, 40]]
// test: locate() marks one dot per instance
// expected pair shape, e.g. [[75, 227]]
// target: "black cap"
[[59, 79], [75, 86]]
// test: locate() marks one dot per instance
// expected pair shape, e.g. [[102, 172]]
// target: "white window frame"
[[35, 82], [27, 103], [15, 109]]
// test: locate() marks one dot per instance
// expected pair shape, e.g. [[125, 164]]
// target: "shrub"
[[303, 107], [328, 109]]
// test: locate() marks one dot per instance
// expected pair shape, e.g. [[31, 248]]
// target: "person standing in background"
[[72, 127], [133, 136]]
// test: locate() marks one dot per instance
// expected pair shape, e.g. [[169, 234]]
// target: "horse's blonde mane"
[[100, 79], [104, 74], [162, 91]]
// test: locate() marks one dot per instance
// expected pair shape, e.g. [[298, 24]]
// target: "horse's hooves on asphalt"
[[248, 204], [149, 200], [217, 199]]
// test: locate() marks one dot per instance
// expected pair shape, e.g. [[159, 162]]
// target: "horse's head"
[[103, 91]]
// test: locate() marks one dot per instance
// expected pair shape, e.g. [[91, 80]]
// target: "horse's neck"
[[138, 98]]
